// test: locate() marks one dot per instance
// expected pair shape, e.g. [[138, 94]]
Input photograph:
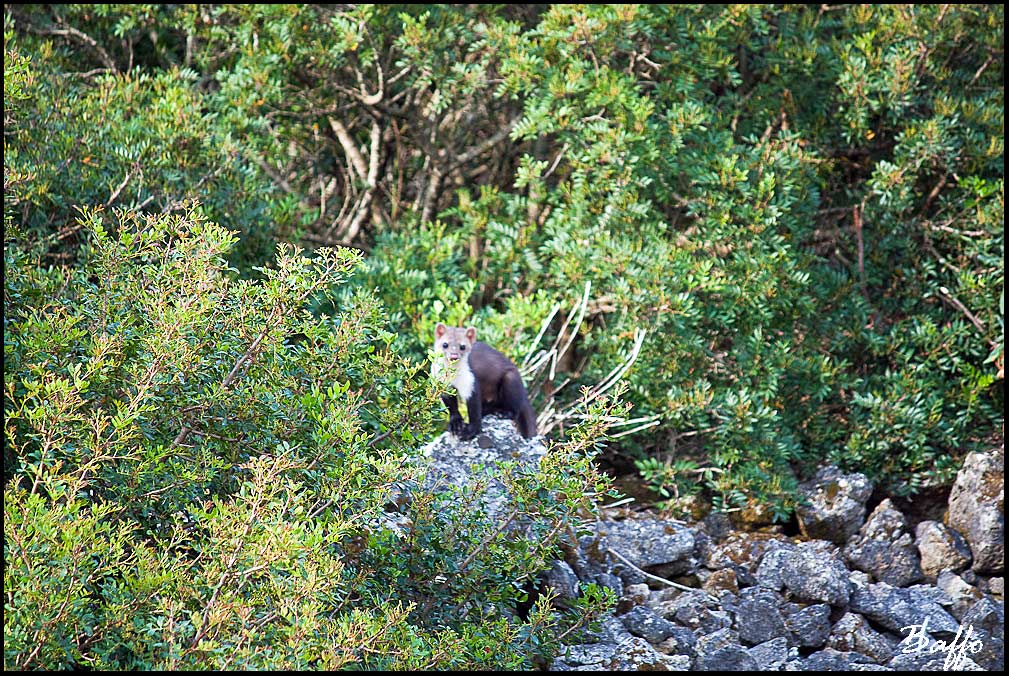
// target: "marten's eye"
[[444, 346], [462, 348]]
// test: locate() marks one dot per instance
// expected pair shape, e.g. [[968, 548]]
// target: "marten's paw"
[[457, 426], [468, 433]]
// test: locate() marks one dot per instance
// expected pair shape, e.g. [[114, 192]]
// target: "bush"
[[803, 207], [198, 473]]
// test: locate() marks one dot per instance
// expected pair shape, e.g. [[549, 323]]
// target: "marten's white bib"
[[464, 379]]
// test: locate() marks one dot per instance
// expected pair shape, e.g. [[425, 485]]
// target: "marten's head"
[[453, 343]]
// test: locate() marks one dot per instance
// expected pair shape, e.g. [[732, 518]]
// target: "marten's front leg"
[[473, 406], [455, 422]]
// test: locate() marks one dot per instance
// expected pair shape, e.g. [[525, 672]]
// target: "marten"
[[486, 379]]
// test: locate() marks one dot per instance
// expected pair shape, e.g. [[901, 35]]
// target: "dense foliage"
[[802, 207]]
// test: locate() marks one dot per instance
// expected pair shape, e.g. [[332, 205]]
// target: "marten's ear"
[[471, 335], [440, 330]]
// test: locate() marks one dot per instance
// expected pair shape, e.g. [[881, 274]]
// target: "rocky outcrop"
[[842, 597], [771, 603]]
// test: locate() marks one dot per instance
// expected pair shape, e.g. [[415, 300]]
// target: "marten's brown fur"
[[486, 379]]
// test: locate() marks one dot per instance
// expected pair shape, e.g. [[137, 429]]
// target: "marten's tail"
[[527, 422], [517, 400]]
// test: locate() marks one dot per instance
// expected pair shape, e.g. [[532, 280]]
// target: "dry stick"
[[655, 577], [539, 336], [115, 193], [371, 181], [574, 331], [945, 295], [83, 37]]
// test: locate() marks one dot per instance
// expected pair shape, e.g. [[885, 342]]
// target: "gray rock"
[[771, 564], [562, 579], [899, 609], [884, 549], [758, 618], [610, 581], [869, 667], [455, 462], [986, 615], [985, 649], [642, 621], [634, 595], [813, 574], [927, 661], [962, 595], [649, 542], [834, 504], [586, 654], [976, 509], [810, 626], [680, 642], [731, 658], [996, 586], [853, 633], [715, 641], [941, 548], [638, 655], [695, 610], [771, 655], [829, 659]]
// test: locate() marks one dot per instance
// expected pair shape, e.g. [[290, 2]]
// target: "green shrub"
[[802, 206], [198, 472]]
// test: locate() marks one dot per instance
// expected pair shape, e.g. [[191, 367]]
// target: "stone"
[[976, 509], [758, 617], [771, 564], [834, 505], [961, 595], [940, 548], [771, 655], [810, 626], [648, 542], [814, 575], [829, 659], [884, 549], [852, 633], [720, 580], [680, 642], [926, 661], [634, 595], [899, 609], [454, 462], [732, 658], [642, 621], [695, 610], [561, 579]]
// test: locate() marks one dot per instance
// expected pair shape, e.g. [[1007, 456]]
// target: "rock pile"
[[855, 592]]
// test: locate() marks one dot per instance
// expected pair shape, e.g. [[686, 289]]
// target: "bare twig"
[[663, 580]]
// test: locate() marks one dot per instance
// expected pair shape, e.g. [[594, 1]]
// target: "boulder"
[[853, 633], [899, 609], [976, 509], [813, 573], [941, 548], [834, 505], [884, 548]]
